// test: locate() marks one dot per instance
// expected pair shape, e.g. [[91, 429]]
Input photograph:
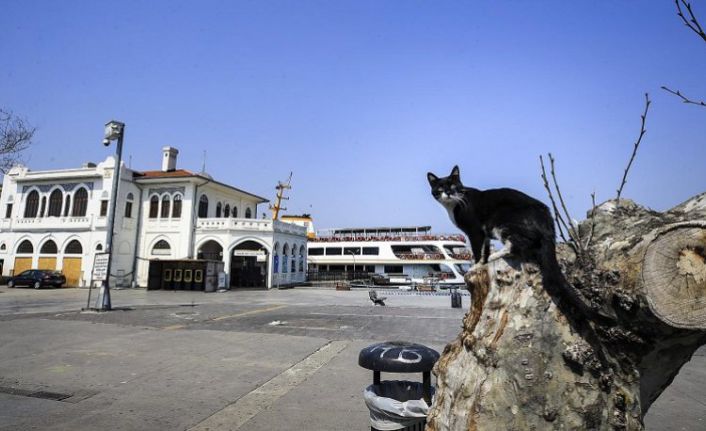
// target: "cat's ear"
[[455, 172], [432, 178]]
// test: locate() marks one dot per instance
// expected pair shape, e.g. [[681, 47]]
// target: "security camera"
[[106, 142]]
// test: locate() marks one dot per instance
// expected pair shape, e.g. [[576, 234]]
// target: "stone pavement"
[[248, 360]]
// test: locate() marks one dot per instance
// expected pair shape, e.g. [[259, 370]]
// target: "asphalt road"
[[249, 360]]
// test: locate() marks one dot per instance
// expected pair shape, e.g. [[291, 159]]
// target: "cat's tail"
[[556, 284]]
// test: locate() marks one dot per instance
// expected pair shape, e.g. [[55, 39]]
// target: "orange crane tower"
[[281, 187]]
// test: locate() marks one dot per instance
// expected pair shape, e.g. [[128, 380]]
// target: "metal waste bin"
[[456, 301], [394, 404]]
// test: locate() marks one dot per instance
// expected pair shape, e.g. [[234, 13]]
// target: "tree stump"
[[528, 357]]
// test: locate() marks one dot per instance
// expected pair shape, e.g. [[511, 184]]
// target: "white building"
[[167, 222]]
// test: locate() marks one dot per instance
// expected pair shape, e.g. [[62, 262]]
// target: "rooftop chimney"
[[169, 156]]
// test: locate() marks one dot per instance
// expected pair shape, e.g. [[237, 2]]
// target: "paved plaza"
[[248, 360]]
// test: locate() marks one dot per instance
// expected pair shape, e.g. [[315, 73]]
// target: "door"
[[72, 271], [48, 263], [22, 264]]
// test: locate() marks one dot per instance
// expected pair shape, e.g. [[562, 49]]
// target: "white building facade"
[[166, 221]]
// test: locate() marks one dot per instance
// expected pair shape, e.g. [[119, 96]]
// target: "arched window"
[[302, 253], [235, 211], [203, 207], [73, 247], [154, 207], [67, 206], [210, 250], [248, 213], [285, 255], [25, 247], [128, 205], [43, 209], [32, 205], [99, 247], [275, 259], [49, 247], [3, 247], [219, 206], [55, 200], [165, 206], [176, 207], [226, 211], [80, 203], [162, 248]]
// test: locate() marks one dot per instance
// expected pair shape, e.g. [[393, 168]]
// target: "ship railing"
[[419, 256], [371, 238]]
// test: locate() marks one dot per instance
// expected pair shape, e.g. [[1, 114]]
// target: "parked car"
[[37, 278]]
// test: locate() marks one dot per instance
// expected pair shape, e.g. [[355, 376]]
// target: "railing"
[[461, 256], [249, 224], [233, 224], [371, 238], [419, 256], [337, 275], [50, 223]]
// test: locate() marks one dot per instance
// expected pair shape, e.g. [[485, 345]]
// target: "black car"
[[37, 278]]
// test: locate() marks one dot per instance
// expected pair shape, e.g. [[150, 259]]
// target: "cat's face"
[[447, 190]]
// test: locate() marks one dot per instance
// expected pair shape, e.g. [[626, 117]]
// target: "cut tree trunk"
[[530, 357]]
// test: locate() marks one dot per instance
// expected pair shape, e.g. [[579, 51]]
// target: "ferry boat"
[[389, 256]]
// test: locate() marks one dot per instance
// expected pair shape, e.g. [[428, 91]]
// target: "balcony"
[[248, 224], [47, 224]]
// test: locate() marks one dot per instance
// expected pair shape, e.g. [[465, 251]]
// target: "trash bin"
[[398, 404], [456, 301]]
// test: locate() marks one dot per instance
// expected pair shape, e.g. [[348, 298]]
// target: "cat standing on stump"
[[522, 223]]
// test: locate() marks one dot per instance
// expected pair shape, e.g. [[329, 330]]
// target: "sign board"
[[100, 266], [261, 258], [248, 252]]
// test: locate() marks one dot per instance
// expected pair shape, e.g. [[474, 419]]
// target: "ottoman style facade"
[[167, 223]]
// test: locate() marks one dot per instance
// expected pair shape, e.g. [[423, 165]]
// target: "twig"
[[684, 98], [691, 21], [557, 215], [593, 222], [573, 231], [634, 150]]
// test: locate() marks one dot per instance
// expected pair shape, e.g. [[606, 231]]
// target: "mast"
[[281, 187]]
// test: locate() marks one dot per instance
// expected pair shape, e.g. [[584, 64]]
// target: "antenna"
[[203, 165], [281, 187]]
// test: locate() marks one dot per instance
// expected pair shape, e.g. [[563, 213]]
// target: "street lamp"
[[114, 131]]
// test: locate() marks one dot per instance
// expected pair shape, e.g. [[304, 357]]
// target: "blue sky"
[[360, 99]]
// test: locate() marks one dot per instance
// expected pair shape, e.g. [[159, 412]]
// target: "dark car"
[[37, 278]]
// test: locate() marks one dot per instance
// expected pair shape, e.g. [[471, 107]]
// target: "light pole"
[[114, 130]]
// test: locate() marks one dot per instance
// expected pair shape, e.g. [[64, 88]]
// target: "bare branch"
[[557, 215], [593, 222], [684, 98], [15, 137], [636, 146], [573, 230], [691, 20], [560, 222]]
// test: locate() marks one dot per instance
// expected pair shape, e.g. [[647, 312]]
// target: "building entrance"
[[248, 265]]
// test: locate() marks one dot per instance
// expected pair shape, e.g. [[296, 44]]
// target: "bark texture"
[[528, 357]]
